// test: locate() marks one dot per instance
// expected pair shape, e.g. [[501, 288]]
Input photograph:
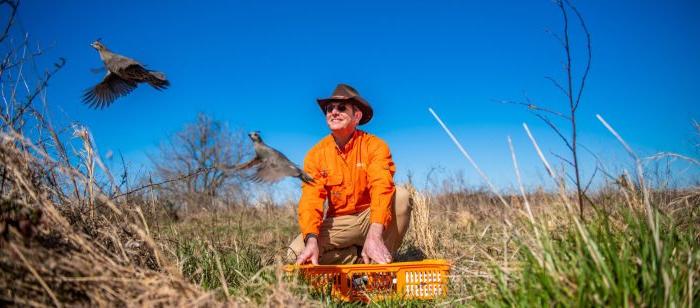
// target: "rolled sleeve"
[[312, 196], [380, 173]]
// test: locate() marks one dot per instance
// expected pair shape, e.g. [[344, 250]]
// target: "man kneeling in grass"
[[367, 216]]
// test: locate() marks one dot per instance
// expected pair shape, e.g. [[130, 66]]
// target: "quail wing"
[[275, 168], [109, 89]]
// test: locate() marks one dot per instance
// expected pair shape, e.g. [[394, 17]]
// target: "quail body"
[[271, 165], [123, 76]]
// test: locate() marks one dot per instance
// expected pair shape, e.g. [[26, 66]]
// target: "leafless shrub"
[[195, 156], [572, 88]]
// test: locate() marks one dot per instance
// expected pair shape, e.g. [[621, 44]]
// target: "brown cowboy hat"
[[346, 93]]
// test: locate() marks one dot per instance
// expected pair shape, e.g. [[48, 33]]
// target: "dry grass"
[[66, 240], [55, 252], [61, 249]]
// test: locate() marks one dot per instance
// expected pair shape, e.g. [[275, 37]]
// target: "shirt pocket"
[[336, 191]]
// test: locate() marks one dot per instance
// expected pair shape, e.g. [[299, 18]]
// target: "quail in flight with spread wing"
[[123, 75], [271, 165]]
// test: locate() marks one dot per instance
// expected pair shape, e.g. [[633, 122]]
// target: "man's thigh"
[[339, 233], [401, 216]]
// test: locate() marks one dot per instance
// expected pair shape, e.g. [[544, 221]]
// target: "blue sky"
[[260, 65]]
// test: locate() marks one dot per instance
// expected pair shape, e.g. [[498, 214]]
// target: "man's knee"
[[402, 203], [295, 248]]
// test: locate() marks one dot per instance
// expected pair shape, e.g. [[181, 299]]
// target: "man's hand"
[[310, 252], [374, 248]]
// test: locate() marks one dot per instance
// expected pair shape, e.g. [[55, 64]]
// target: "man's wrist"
[[310, 236], [376, 230]]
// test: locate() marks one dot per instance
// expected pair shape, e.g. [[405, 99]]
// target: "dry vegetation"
[[72, 235], [57, 251]]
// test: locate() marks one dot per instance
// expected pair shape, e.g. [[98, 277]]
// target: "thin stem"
[[468, 157], [572, 106]]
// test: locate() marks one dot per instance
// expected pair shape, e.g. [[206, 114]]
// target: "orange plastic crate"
[[425, 279]]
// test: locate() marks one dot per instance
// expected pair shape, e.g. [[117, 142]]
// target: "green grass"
[[240, 246], [563, 270], [241, 269]]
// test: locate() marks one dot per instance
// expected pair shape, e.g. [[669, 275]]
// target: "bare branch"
[[567, 50], [151, 184], [13, 12], [557, 85], [42, 85], [572, 105], [556, 130], [599, 162], [568, 162], [556, 36], [533, 107], [595, 171], [588, 55]]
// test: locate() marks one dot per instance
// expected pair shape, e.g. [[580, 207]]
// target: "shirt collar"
[[349, 145]]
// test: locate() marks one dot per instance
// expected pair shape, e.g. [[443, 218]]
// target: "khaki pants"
[[341, 238]]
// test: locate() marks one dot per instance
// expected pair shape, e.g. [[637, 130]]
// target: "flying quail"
[[270, 164], [123, 75]]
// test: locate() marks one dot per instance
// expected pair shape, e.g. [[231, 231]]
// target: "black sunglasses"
[[341, 107]]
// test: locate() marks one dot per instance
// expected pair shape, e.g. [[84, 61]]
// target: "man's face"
[[341, 116]]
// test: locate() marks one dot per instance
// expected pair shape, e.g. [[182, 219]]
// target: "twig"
[[557, 85], [599, 162], [562, 159], [588, 49], [556, 36], [595, 171], [42, 85], [556, 130], [182, 177], [11, 20], [534, 107]]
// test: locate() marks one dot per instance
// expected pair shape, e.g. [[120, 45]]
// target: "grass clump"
[[612, 261]]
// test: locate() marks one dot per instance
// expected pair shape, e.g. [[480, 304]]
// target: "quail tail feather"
[[157, 80]]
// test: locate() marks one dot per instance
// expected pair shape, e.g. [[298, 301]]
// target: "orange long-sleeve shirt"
[[359, 176]]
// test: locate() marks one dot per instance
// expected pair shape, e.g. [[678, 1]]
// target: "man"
[[367, 216]]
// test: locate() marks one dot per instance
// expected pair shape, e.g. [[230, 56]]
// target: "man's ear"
[[357, 116]]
